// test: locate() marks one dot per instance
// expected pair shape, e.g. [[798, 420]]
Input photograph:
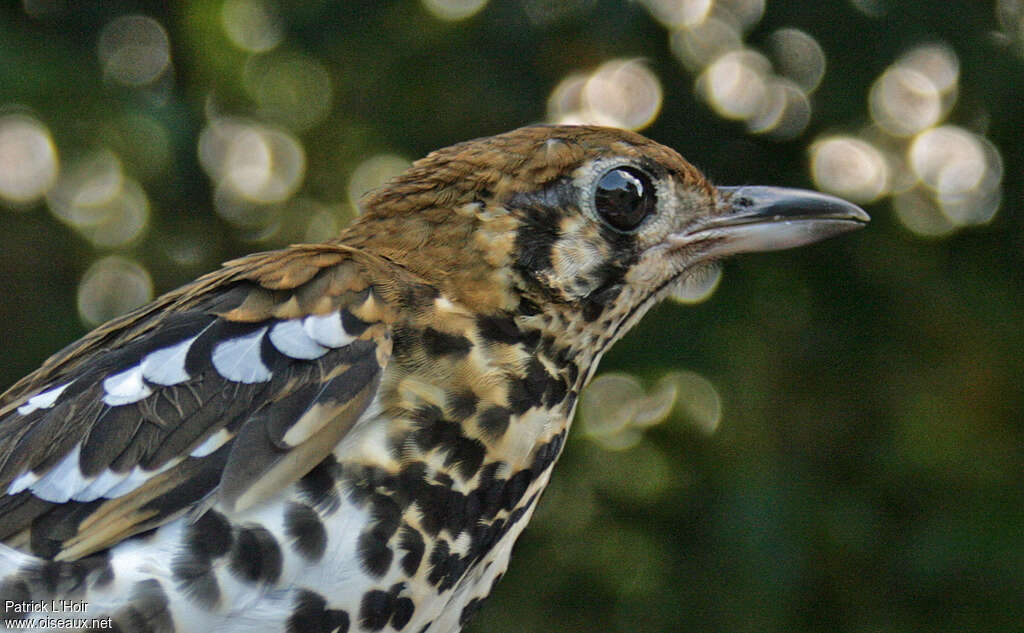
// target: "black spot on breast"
[[373, 548], [311, 615], [515, 488], [378, 607], [209, 538], [211, 533], [303, 525], [433, 431], [426, 627], [318, 486], [411, 541], [528, 391], [403, 611], [446, 568], [493, 421], [147, 612], [443, 344], [500, 329], [462, 405], [546, 454], [48, 579], [256, 556]]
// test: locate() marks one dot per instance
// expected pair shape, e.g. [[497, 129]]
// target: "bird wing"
[[223, 391]]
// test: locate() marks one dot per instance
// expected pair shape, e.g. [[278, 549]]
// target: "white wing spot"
[[212, 443], [135, 478], [291, 339], [22, 481], [62, 481], [239, 359], [125, 387], [99, 486], [42, 400], [167, 366], [326, 329]]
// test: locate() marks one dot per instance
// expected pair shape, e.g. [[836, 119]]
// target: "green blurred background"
[[829, 440]]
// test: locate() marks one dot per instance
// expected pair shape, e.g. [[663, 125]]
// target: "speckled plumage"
[[350, 436]]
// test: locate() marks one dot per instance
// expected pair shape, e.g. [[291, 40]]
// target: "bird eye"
[[624, 197]]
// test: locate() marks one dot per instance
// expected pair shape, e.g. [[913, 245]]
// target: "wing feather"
[[224, 391]]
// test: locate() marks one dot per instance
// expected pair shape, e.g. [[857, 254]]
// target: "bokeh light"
[[697, 400], [95, 198], [941, 176], [963, 170], [134, 50], [250, 161], [744, 14], [735, 84], [917, 91], [799, 57], [615, 409], [918, 212], [849, 167], [28, 160], [252, 25], [453, 10], [111, 287], [619, 93], [290, 88], [675, 14], [698, 45]]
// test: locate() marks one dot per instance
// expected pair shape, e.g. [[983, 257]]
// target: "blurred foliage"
[[864, 472]]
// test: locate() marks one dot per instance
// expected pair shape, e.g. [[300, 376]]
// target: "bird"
[[350, 436]]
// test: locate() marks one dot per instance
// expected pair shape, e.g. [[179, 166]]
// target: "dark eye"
[[623, 198]]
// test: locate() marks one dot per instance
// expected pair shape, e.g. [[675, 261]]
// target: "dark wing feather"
[[227, 389]]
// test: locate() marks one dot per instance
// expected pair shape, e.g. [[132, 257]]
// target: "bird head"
[[589, 225]]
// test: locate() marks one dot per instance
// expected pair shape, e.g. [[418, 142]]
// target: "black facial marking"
[[311, 615], [256, 556], [303, 525], [443, 344], [535, 238]]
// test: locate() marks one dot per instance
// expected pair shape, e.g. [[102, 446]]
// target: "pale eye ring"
[[623, 197]]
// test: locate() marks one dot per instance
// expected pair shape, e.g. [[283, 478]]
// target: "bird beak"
[[751, 219]]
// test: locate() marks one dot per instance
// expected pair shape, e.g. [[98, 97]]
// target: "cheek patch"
[[577, 258]]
